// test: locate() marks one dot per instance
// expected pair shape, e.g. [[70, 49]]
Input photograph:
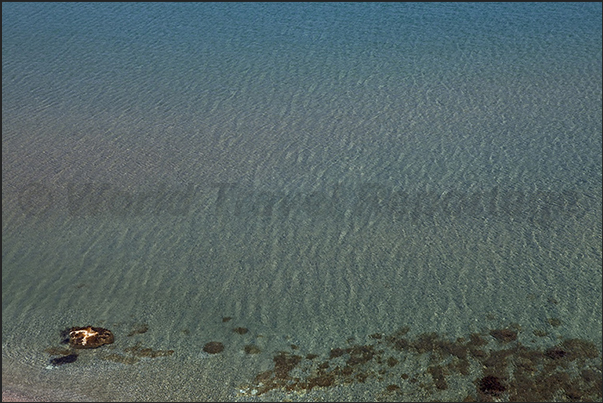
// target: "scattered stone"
[[555, 322], [393, 388], [504, 335], [391, 361], [138, 351], [240, 330], [67, 359], [251, 349], [213, 347], [140, 329]]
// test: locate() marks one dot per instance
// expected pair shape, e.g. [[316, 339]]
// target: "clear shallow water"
[[317, 173]]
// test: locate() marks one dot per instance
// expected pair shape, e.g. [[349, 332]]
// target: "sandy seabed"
[[9, 396]]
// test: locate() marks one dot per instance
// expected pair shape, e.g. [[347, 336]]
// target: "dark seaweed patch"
[[569, 370], [491, 385]]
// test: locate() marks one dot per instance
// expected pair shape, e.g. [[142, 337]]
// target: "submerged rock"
[[213, 347], [68, 359], [89, 337]]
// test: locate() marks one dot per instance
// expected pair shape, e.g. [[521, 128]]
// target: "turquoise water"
[[317, 173]]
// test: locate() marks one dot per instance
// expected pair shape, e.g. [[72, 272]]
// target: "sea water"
[[296, 181]]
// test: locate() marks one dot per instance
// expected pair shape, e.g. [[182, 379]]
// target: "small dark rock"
[[240, 330], [213, 347], [67, 359]]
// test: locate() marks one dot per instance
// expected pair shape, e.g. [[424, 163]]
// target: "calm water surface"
[[331, 176]]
